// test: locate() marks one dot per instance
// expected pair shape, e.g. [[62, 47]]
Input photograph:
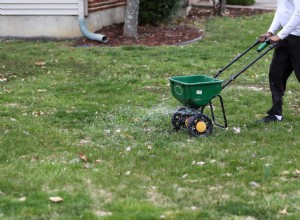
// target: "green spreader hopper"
[[195, 91]]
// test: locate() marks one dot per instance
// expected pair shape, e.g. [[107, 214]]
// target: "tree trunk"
[[222, 7], [219, 7], [131, 19]]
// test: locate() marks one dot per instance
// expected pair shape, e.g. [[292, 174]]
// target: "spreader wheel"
[[178, 119], [200, 125]]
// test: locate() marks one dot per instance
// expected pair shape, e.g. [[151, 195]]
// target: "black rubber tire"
[[178, 120], [193, 122]]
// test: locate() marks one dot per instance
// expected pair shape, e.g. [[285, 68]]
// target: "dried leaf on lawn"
[[41, 90], [3, 79], [236, 130], [103, 213], [40, 63], [83, 157], [56, 199], [75, 160], [98, 161], [254, 184], [85, 141], [37, 113], [22, 199], [285, 172], [283, 211], [185, 175], [87, 165]]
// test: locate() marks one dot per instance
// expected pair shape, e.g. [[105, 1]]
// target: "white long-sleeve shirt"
[[287, 17]]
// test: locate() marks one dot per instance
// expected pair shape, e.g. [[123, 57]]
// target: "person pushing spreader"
[[197, 91]]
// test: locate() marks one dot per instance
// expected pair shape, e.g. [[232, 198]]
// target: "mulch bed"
[[176, 32]]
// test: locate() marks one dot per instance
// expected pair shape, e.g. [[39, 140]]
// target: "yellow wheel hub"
[[200, 126]]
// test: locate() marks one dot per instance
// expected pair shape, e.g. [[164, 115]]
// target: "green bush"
[[240, 2], [155, 11]]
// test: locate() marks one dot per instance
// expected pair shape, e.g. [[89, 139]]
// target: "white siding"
[[39, 7]]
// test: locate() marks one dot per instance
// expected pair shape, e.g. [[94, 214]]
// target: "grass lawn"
[[92, 127]]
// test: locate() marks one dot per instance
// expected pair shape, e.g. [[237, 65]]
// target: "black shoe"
[[270, 118]]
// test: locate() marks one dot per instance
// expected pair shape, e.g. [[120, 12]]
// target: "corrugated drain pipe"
[[89, 35], [84, 30]]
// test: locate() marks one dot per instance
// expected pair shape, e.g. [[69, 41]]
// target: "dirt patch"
[[176, 32]]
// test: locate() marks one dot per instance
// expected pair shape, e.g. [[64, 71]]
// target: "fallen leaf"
[[40, 63], [201, 163], [22, 199], [149, 147], [3, 79], [227, 174], [26, 133], [75, 160], [103, 213], [283, 179], [185, 175], [283, 211], [85, 141], [255, 88], [38, 113], [127, 173], [98, 161], [56, 199], [33, 159], [236, 130], [254, 184], [250, 218], [87, 165], [285, 173], [83, 157], [41, 90], [107, 131], [194, 208]]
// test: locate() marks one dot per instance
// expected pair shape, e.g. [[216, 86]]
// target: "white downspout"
[[84, 30]]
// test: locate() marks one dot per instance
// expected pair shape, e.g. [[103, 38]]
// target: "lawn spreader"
[[196, 92]]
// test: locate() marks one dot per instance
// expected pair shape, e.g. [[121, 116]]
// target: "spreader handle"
[[263, 45], [249, 65], [237, 58]]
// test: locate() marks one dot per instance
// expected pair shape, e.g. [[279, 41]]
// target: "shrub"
[[240, 2], [155, 11]]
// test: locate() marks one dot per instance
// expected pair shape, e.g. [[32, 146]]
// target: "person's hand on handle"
[[274, 39], [265, 36]]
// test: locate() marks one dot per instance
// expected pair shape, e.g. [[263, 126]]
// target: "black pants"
[[286, 59]]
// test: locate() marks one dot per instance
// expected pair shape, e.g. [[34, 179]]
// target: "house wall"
[[96, 20], [105, 12], [57, 18], [39, 26]]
